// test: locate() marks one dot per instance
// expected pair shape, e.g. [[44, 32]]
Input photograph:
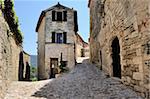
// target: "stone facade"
[[82, 47], [57, 27], [9, 56], [120, 36], [26, 61]]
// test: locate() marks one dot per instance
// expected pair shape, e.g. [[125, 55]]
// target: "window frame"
[[56, 39], [59, 18], [63, 16]]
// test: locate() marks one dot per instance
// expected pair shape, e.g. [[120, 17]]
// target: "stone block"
[[137, 60], [128, 79], [137, 76]]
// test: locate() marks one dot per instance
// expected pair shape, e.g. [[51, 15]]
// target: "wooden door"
[[53, 67]]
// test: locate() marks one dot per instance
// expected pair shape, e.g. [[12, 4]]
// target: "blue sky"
[[29, 11]]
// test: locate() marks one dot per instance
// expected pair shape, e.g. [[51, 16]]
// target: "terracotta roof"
[[26, 53], [81, 38], [49, 9]]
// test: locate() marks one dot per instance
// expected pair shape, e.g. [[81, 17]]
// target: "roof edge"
[[89, 3], [40, 20]]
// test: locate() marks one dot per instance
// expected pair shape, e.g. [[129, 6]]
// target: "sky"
[[29, 11]]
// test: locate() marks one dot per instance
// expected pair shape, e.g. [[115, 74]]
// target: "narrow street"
[[85, 81]]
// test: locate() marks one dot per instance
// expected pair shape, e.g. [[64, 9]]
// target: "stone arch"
[[116, 63]]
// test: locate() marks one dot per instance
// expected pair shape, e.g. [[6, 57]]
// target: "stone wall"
[[41, 50], [4, 57], [26, 71], [127, 20], [82, 48], [9, 57], [15, 52]]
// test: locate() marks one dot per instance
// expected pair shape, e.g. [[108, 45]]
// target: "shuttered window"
[[65, 37], [59, 37], [59, 16], [64, 15], [53, 37], [53, 15]]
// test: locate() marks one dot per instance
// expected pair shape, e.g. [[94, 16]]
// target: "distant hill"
[[33, 60]]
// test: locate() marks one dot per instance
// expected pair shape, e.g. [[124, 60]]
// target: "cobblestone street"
[[85, 81]]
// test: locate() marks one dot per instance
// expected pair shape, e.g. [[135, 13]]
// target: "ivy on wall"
[[7, 7]]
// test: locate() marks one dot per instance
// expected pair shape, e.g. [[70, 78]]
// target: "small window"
[[59, 16], [59, 38]]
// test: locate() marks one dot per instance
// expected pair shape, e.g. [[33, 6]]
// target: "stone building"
[[27, 64], [56, 27], [9, 56], [82, 47], [120, 40], [24, 66]]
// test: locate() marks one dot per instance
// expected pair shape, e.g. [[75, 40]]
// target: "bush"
[[63, 68], [12, 20], [33, 73]]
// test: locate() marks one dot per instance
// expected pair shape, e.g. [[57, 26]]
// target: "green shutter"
[[53, 37], [65, 37]]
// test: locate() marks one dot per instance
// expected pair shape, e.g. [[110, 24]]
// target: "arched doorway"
[[21, 67], [116, 58]]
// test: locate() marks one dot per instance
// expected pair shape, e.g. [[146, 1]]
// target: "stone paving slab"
[[84, 82]]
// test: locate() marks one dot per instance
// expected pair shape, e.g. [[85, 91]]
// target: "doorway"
[[116, 58], [53, 67]]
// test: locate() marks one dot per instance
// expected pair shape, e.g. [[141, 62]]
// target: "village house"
[[57, 37], [120, 40], [82, 49], [58, 40]]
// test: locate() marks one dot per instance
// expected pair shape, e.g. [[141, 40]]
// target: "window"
[[59, 37], [59, 16]]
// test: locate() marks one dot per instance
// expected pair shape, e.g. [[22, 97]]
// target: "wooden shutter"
[[64, 15], [75, 21], [53, 15], [53, 37], [65, 37]]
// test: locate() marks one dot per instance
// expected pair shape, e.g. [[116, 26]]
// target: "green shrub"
[[33, 72], [12, 20]]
